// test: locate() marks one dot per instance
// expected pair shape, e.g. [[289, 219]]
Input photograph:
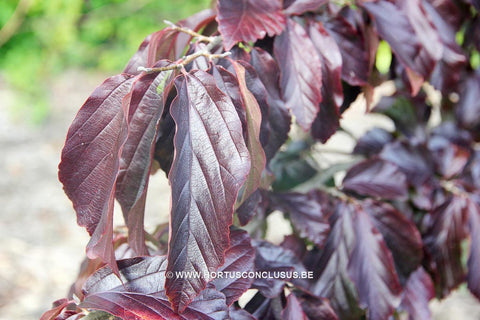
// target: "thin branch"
[[190, 32]]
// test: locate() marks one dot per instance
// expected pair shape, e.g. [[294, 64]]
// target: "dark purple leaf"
[[414, 160], [249, 20], [308, 213], [146, 107], [446, 75], [295, 244], [256, 204], [446, 231], [372, 142], [468, 110], [164, 149], [263, 308], [210, 165], [450, 159], [239, 314], [254, 117], [57, 308], [91, 161], [293, 309], [471, 174], [376, 178], [300, 81], [473, 263], [352, 42], [410, 34], [327, 120], [428, 195], [140, 293], [315, 307], [277, 264], [417, 294], [333, 281], [299, 7], [372, 270], [278, 117], [400, 234], [239, 258]]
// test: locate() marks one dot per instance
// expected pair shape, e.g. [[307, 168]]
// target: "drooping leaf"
[[473, 263], [146, 108], [298, 7], [254, 118], [333, 281], [377, 178], [450, 158], [91, 161], [210, 165], [140, 293], [327, 120], [468, 110], [249, 20], [315, 307], [417, 294], [293, 309], [400, 234], [308, 213], [446, 231], [278, 117], [414, 160], [372, 142], [239, 258], [277, 264], [300, 81], [410, 34], [164, 149], [372, 270], [352, 42]]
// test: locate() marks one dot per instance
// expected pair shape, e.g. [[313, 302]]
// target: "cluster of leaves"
[[213, 111]]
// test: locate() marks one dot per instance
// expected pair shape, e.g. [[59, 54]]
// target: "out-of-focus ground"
[[41, 246]]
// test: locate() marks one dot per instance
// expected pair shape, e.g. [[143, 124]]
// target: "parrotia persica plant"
[[230, 103]]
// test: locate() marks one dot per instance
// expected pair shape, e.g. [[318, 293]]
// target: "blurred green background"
[[39, 39]]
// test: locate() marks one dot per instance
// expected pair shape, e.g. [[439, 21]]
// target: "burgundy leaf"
[[450, 158], [239, 258], [317, 308], [468, 111], [57, 308], [372, 270], [308, 213], [471, 174], [372, 142], [146, 108], [410, 34], [301, 73], [473, 263], [377, 178], [417, 294], [278, 117], [299, 7], [256, 204], [351, 40], [210, 165], [446, 75], [293, 309], [91, 161], [327, 120], [414, 160], [140, 293], [239, 314], [443, 241], [333, 280], [164, 149], [254, 118], [249, 20], [278, 263], [400, 234]]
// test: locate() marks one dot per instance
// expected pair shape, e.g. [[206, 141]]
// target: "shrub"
[[210, 100]]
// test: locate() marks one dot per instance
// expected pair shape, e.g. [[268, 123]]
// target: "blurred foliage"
[[41, 38]]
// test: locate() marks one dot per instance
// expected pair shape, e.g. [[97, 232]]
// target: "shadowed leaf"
[[249, 20], [417, 294], [293, 309], [211, 163]]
